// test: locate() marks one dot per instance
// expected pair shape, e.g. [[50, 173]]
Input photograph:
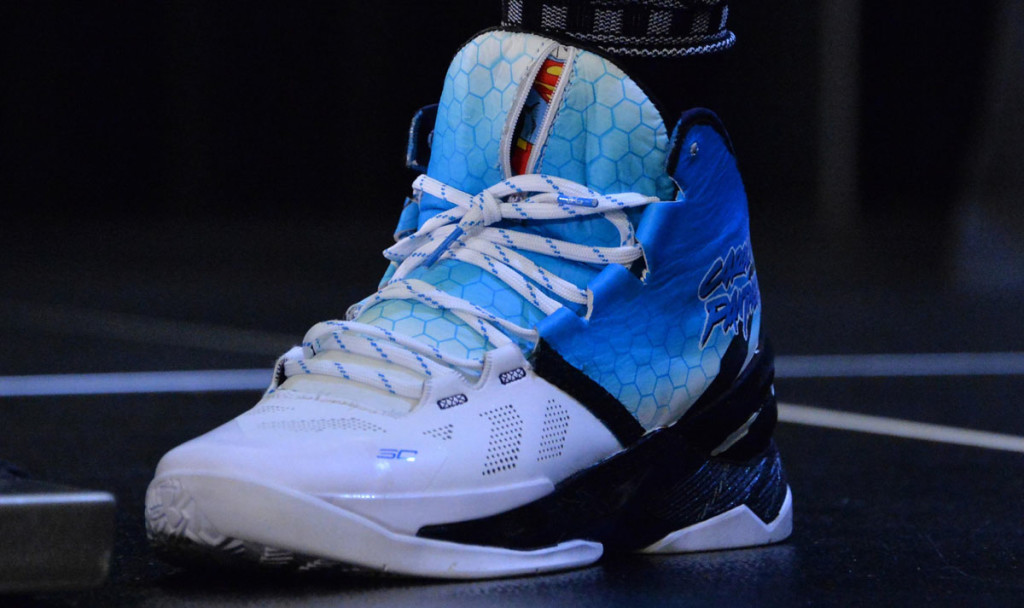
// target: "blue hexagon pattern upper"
[[657, 344], [607, 134]]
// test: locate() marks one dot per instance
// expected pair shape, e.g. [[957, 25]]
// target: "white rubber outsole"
[[284, 526]]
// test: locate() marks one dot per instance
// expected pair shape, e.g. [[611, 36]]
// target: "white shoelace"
[[466, 233]]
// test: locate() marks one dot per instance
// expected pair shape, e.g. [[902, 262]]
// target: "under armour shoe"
[[563, 358]]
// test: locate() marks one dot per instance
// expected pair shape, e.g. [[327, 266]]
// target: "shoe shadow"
[[701, 577]]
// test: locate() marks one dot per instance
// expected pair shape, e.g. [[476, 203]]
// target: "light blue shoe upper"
[[642, 342]]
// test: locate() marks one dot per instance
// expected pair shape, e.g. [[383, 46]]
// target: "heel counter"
[[703, 165]]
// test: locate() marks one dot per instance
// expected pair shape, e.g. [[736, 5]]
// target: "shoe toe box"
[[310, 454]]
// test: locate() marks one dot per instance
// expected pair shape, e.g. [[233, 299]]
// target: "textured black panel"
[[669, 502]]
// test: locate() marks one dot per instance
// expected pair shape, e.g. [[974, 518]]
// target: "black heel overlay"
[[749, 402]]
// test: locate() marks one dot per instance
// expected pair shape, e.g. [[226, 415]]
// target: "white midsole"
[[292, 521]]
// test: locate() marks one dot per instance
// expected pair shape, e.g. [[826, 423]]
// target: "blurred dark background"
[[147, 149], [191, 185]]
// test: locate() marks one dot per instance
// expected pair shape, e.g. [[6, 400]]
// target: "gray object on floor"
[[53, 537]]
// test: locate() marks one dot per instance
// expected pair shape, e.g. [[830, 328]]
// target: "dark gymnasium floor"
[[880, 518]]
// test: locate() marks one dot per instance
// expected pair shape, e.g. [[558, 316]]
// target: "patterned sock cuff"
[[635, 28]]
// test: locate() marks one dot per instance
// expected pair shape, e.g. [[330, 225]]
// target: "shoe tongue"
[[605, 132]]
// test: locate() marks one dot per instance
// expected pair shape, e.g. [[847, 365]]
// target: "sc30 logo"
[[393, 454]]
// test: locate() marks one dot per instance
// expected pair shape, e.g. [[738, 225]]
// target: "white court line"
[[137, 328], [257, 379], [894, 427], [135, 382], [900, 365]]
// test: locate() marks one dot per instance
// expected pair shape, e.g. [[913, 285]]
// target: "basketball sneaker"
[[563, 358]]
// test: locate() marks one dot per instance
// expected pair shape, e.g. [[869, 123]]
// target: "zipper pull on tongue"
[[534, 120]]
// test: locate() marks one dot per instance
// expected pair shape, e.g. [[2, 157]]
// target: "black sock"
[[671, 47]]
